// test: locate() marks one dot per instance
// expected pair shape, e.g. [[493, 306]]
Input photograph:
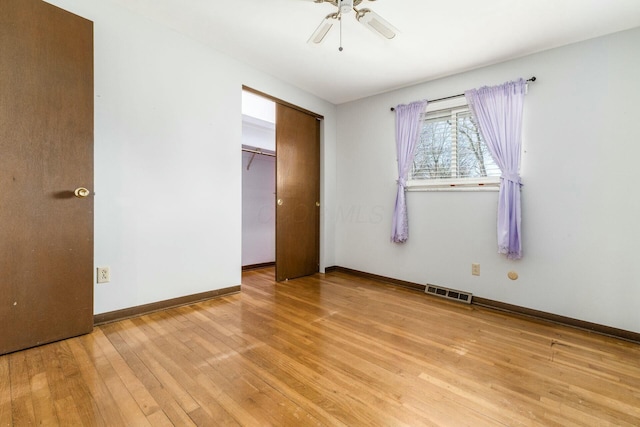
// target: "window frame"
[[488, 183]]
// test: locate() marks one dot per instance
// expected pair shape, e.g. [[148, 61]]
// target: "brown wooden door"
[[297, 193], [46, 152]]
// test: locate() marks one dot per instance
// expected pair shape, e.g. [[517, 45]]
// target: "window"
[[450, 153]]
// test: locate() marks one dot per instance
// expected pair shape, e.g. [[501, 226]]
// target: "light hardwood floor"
[[329, 349]]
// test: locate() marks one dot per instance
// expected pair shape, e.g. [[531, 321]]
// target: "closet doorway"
[[295, 190], [258, 181]]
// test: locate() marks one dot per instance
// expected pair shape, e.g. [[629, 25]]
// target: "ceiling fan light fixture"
[[319, 34], [376, 23]]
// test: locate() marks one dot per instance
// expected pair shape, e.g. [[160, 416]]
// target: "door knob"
[[318, 204], [81, 192], [279, 202]]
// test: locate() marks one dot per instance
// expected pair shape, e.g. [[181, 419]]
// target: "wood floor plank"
[[164, 359], [303, 401], [325, 350], [244, 384], [159, 419], [168, 404], [110, 395], [44, 410], [375, 377], [342, 374], [72, 392], [6, 416], [99, 343], [62, 390], [59, 393], [246, 389], [22, 406], [238, 397], [142, 347], [69, 415], [211, 401]]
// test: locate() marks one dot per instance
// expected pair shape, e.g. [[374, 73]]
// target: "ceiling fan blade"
[[376, 23], [319, 34]]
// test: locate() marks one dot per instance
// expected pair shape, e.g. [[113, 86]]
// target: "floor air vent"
[[449, 293]]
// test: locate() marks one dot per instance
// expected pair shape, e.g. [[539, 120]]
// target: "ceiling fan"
[[365, 16]]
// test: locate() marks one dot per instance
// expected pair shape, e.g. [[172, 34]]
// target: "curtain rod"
[[532, 79]]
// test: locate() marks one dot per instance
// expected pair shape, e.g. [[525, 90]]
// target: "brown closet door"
[[46, 152], [297, 193]]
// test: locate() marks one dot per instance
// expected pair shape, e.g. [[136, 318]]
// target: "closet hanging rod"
[[532, 79], [248, 150]]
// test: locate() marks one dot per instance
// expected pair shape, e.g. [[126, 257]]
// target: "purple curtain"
[[407, 132], [498, 113]]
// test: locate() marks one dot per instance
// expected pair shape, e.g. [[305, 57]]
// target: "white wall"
[[580, 206], [168, 176], [258, 134], [168, 159], [258, 107], [258, 209]]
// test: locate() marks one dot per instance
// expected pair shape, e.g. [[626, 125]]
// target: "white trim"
[[447, 104], [489, 183]]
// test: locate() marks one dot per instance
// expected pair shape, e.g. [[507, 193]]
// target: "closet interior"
[[258, 180]]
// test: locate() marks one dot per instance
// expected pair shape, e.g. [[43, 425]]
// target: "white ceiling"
[[437, 38]]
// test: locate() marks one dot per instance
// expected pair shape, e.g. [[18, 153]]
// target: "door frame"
[[320, 118]]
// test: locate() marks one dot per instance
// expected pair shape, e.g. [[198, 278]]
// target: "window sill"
[[492, 184]]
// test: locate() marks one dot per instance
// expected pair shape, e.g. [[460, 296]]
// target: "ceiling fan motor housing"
[[345, 6], [365, 16]]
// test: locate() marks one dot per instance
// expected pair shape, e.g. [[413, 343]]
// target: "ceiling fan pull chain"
[[340, 48]]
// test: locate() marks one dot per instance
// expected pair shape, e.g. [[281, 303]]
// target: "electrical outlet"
[[475, 269], [103, 275]]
